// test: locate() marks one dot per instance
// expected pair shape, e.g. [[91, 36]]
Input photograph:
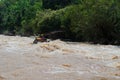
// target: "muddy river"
[[57, 60]]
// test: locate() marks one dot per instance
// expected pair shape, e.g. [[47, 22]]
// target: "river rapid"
[[57, 60]]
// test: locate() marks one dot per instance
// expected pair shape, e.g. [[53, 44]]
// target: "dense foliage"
[[95, 21], [57, 4], [15, 14]]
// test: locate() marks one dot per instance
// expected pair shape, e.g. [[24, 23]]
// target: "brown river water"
[[57, 60]]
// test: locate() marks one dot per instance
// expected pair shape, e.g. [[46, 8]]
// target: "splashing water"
[[57, 60]]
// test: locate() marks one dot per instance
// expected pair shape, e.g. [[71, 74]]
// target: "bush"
[[47, 21], [14, 12], [96, 21]]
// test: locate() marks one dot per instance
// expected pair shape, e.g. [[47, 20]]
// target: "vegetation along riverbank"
[[96, 21]]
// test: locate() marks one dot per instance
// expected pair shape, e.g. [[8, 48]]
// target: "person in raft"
[[40, 38]]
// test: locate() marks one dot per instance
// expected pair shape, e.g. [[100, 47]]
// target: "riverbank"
[[57, 60]]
